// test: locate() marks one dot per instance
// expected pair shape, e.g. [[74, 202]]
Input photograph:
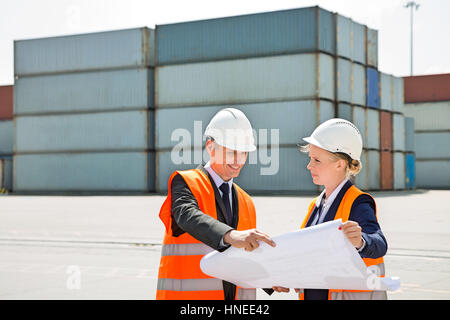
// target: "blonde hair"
[[353, 166]]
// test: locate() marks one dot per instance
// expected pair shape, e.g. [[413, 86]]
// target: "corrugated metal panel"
[[398, 132], [373, 168], [6, 173], [288, 77], [429, 116], [399, 170], [397, 94], [129, 130], [103, 50], [409, 134], [345, 111], [362, 178], [6, 102], [343, 36], [373, 128], [270, 33], [386, 86], [293, 120], [343, 80], [386, 174], [121, 171], [358, 84], [288, 164], [385, 131], [6, 137], [432, 145], [372, 47], [86, 91], [433, 174], [410, 161], [434, 87], [359, 120], [358, 43], [372, 93]]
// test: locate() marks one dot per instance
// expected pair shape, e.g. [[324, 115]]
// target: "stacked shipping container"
[[83, 112], [6, 137]]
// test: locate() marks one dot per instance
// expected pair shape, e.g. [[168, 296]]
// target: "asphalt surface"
[[108, 247]]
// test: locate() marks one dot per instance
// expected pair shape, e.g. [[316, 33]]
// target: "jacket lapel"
[[337, 201]]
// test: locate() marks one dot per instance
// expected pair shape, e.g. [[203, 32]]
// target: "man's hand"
[[353, 232], [247, 239]]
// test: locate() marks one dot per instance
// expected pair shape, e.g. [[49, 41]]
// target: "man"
[[204, 211]]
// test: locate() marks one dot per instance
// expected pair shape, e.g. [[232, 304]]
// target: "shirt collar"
[[217, 179], [332, 195]]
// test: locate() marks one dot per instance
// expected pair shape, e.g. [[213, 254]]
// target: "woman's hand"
[[283, 289], [353, 232]]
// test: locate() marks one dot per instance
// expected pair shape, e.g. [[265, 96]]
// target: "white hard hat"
[[231, 129], [338, 135]]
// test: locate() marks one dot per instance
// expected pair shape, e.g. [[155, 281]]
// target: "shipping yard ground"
[[115, 243]]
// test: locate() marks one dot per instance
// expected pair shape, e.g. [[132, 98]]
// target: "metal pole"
[[413, 6]]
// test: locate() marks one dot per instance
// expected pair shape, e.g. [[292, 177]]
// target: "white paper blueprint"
[[319, 257]]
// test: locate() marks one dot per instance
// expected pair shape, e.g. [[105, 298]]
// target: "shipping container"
[[123, 130], [86, 91], [373, 169], [433, 174], [131, 48], [285, 123], [373, 128], [361, 180], [358, 43], [435, 87], [372, 47], [372, 89], [386, 95], [343, 80], [6, 102], [385, 131], [398, 132], [429, 116], [270, 170], [399, 170], [345, 111], [432, 145], [358, 84], [343, 36], [397, 94], [359, 120], [6, 173], [270, 33], [410, 161], [288, 77], [386, 170], [100, 171], [409, 134], [6, 137]]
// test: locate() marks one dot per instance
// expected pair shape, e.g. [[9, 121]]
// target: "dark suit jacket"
[[187, 217]]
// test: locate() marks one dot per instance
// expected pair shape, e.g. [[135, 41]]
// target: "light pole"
[[413, 5]]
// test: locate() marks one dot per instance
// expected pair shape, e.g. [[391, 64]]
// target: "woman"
[[334, 149]]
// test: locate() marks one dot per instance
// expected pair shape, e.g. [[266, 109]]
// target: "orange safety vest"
[[343, 212], [180, 276]]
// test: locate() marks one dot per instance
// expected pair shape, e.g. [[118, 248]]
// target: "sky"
[[27, 19]]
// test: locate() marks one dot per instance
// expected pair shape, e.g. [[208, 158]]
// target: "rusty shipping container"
[[386, 170], [435, 87], [6, 102], [385, 131]]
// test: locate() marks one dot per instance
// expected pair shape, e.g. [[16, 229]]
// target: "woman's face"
[[324, 170]]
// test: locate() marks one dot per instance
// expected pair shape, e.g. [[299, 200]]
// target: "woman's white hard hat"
[[231, 129], [338, 135]]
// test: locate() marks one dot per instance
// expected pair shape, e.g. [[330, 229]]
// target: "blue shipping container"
[[410, 171], [373, 92], [270, 33]]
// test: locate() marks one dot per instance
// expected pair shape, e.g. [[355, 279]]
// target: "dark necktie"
[[225, 188]]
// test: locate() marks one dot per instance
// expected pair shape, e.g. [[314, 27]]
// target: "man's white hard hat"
[[338, 135], [231, 129]]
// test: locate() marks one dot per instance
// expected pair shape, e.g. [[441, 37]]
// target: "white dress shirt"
[[219, 181]]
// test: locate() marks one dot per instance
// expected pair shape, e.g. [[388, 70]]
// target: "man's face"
[[225, 162]]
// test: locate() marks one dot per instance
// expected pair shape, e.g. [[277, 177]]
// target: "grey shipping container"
[[120, 171], [429, 116], [270, 170], [397, 94], [86, 91], [270, 33], [409, 134], [6, 137], [433, 174], [373, 128], [131, 48], [371, 47], [359, 120], [288, 77], [432, 145], [369, 176], [398, 132], [386, 87], [358, 43], [358, 84], [343, 36], [6, 173], [343, 80], [399, 173], [123, 130], [286, 123]]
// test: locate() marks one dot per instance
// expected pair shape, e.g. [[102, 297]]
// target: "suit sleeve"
[[363, 212], [187, 217]]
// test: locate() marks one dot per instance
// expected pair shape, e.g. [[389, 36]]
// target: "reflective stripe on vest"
[[180, 276], [375, 265]]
